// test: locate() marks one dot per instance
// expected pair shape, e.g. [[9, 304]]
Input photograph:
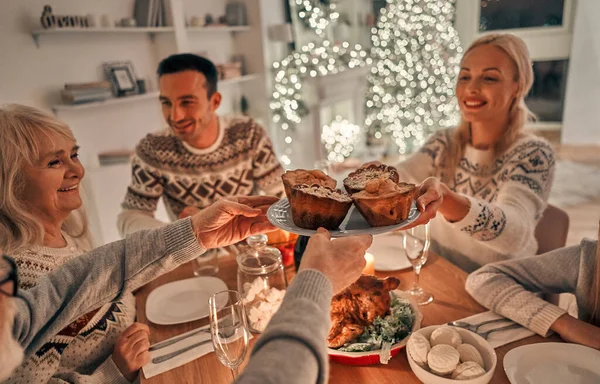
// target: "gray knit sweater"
[[107, 273], [509, 287]]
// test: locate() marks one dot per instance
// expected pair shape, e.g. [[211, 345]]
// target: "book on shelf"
[[152, 13], [117, 156], [142, 13], [89, 85], [78, 96]]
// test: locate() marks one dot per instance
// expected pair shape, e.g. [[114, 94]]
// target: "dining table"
[[440, 277]]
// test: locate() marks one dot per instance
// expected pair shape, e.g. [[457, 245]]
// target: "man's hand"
[[189, 211], [576, 331], [341, 260], [130, 352], [233, 219]]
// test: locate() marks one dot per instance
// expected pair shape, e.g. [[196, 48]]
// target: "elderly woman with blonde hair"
[[490, 178], [43, 225]]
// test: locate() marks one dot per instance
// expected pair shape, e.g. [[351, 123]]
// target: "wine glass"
[[324, 166], [416, 242], [229, 328]]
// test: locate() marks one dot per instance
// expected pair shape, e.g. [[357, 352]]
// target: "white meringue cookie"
[[418, 347], [467, 371], [468, 352], [443, 359], [445, 335]]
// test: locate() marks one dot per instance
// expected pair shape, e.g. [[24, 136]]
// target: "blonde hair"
[[595, 307], [22, 130], [519, 114]]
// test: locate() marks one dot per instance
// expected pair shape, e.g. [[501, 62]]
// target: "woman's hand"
[[434, 196], [577, 331], [131, 350], [429, 197], [233, 219]]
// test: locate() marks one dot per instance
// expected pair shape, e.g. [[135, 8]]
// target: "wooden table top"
[[444, 280]]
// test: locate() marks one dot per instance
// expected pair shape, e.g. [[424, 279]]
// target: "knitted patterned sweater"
[[81, 352], [511, 288], [507, 193], [240, 162]]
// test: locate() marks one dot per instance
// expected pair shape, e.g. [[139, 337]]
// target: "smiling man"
[[202, 156]]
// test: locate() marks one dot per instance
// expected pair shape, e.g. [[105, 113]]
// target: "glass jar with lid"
[[261, 281]]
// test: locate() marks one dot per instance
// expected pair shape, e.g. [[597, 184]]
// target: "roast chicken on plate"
[[355, 308]]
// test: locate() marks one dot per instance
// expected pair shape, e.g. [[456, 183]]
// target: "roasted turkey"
[[358, 306]]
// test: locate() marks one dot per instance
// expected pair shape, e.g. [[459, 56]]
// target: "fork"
[[475, 327], [487, 333]]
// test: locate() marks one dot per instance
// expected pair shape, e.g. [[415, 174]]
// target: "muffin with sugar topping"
[[303, 176], [315, 206]]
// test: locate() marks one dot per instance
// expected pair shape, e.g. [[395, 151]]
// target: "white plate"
[[549, 363], [182, 301], [280, 215], [389, 253]]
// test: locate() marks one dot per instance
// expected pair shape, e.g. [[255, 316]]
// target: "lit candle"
[[370, 267]]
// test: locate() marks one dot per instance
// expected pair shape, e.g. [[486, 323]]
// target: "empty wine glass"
[[324, 166], [416, 246], [229, 329]]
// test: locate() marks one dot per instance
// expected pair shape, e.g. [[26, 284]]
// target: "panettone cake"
[[357, 180], [383, 202], [315, 206]]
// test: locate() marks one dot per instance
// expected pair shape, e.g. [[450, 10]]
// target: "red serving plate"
[[372, 357]]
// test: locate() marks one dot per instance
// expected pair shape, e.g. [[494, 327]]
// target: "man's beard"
[[11, 352]]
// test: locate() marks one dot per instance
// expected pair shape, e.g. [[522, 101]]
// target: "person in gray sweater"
[[299, 327], [511, 288]]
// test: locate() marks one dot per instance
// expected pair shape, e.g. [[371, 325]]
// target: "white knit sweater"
[[508, 195], [80, 353]]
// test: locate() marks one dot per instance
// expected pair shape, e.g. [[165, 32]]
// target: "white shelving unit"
[[151, 31], [237, 28], [146, 96], [119, 123], [112, 101]]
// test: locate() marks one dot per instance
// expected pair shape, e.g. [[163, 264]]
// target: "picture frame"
[[122, 77]]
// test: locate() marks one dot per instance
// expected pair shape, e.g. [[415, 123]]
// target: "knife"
[[166, 343]]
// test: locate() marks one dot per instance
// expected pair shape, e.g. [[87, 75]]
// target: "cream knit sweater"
[[508, 195], [511, 288]]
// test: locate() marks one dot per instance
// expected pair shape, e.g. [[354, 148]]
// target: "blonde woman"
[[490, 178], [42, 226], [511, 288]]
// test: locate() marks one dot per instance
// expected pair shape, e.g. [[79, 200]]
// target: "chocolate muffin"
[[383, 202], [303, 176], [357, 180], [315, 206]]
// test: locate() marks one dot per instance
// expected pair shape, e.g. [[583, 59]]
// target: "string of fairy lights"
[[339, 137], [415, 55], [312, 60], [316, 17], [416, 52]]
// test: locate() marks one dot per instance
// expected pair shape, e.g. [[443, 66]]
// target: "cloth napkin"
[[500, 338], [152, 369]]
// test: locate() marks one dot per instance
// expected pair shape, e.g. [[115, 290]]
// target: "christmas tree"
[[416, 54]]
